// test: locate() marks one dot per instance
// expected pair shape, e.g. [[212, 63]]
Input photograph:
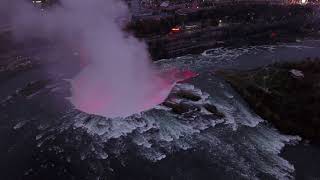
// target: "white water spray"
[[118, 79]]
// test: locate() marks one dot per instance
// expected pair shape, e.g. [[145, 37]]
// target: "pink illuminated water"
[[98, 99]]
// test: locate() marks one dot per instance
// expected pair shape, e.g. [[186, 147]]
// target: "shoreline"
[[282, 93]]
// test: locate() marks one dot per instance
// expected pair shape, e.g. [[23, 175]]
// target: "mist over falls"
[[118, 79]]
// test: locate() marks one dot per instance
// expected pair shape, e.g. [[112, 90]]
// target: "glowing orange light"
[[176, 29]]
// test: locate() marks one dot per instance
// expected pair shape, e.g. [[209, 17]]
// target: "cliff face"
[[288, 95]]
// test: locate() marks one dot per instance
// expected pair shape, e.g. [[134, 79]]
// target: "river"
[[44, 137]]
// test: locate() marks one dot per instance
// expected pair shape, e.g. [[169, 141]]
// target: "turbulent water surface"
[[49, 139]]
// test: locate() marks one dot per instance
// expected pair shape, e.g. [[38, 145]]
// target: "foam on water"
[[240, 144], [221, 57]]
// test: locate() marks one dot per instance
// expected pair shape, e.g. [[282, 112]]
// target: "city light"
[[37, 2], [176, 29]]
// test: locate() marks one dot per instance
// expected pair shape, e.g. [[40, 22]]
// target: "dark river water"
[[43, 137]]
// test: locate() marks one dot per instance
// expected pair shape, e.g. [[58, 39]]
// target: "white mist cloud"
[[119, 79]]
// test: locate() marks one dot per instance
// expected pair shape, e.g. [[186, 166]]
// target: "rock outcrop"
[[187, 101]]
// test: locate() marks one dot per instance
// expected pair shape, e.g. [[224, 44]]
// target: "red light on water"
[[187, 74], [177, 75]]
